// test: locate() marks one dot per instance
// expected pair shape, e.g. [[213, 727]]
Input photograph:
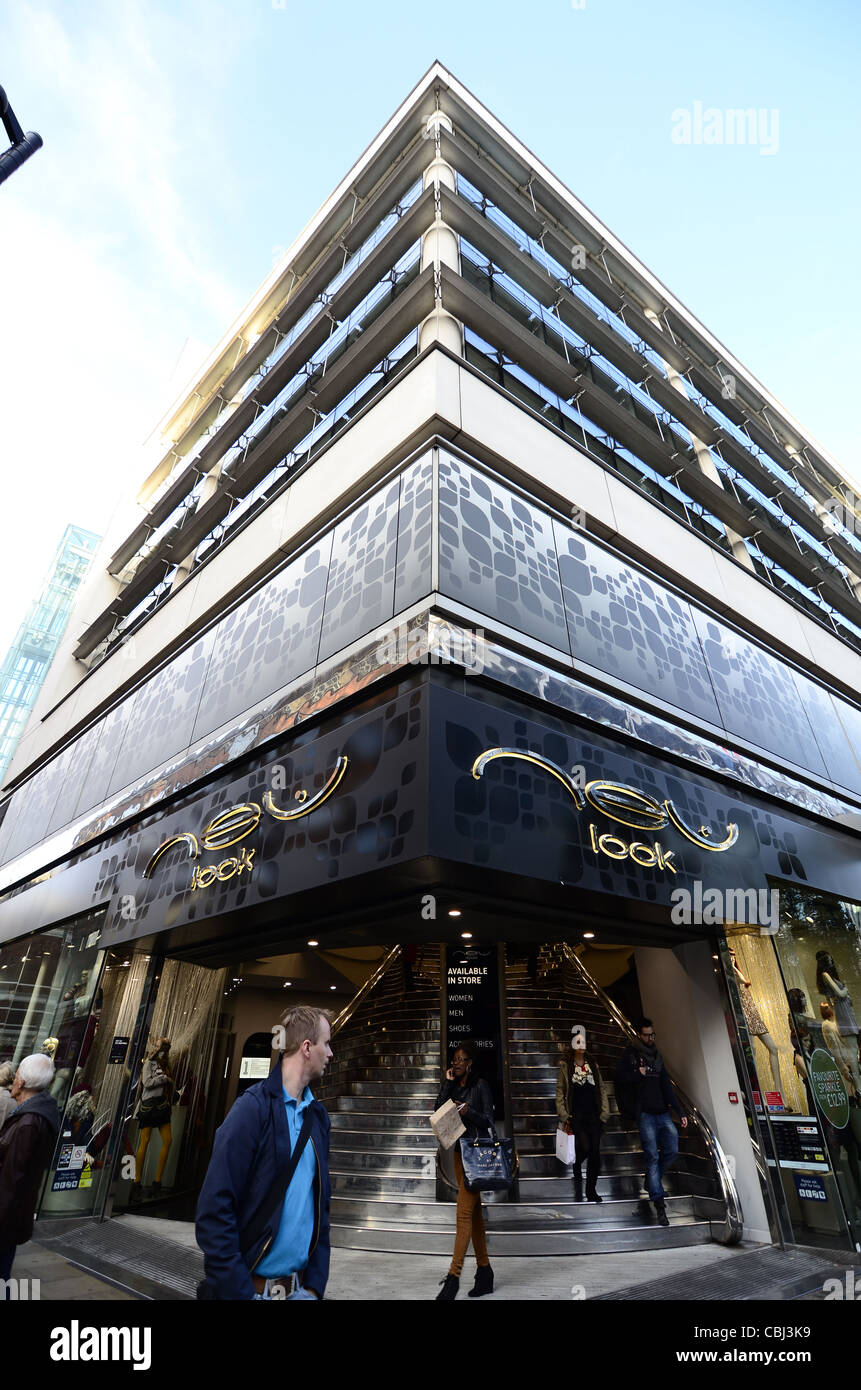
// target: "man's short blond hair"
[[300, 1023]]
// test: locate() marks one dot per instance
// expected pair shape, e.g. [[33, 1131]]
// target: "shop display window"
[[798, 990]]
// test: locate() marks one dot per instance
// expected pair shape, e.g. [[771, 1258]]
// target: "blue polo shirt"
[[288, 1253]]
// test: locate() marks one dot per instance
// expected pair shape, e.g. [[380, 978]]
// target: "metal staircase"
[[547, 1220], [380, 1089]]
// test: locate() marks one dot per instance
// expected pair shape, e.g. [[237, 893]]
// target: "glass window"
[[797, 992]]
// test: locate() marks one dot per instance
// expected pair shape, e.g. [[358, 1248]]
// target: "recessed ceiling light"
[[313, 943], [454, 912], [467, 935], [588, 935], [287, 984], [333, 986]]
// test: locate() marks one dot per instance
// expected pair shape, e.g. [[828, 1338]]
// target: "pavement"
[[359, 1275]]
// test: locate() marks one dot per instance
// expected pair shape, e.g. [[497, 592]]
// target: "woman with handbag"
[[583, 1109], [471, 1094]]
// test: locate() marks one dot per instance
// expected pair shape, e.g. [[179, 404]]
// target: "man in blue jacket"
[[289, 1255]]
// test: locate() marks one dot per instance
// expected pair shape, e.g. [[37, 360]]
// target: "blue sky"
[[186, 144]]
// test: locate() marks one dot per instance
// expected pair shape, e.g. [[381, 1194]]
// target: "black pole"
[[22, 145]]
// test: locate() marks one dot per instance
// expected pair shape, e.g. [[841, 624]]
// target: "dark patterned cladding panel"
[[414, 573], [38, 797], [375, 817], [361, 589], [8, 824], [833, 740], [517, 818], [111, 732], [497, 553], [850, 722], [267, 641], [757, 696], [630, 627], [162, 716], [80, 757]]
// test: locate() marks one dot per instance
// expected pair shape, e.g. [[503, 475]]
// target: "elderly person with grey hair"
[[7, 1104], [27, 1142]]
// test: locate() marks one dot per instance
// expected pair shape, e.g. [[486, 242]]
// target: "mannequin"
[[829, 983], [843, 1049], [756, 1025], [152, 1111], [799, 1021]]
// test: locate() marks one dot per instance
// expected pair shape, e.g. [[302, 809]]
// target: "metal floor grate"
[[164, 1262], [750, 1275]]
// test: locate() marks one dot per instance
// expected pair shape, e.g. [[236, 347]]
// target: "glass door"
[[95, 1092]]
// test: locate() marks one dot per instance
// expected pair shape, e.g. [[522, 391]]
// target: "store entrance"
[[208, 1037]]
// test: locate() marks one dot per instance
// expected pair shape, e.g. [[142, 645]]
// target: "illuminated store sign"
[[626, 805], [233, 825]]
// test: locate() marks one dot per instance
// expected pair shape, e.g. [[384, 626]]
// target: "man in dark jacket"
[[644, 1090], [288, 1254], [26, 1146]]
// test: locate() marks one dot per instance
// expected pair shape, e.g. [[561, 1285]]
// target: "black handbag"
[[489, 1164], [278, 1191]]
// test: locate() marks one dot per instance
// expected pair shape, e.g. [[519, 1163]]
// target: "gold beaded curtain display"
[[758, 964], [122, 986], [186, 1012]]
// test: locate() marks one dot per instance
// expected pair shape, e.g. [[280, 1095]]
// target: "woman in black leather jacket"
[[471, 1094]]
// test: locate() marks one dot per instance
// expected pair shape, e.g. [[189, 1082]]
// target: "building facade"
[[481, 600]]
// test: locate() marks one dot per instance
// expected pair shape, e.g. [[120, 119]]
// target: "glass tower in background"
[[37, 639]]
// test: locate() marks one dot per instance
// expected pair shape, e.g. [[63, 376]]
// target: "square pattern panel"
[[630, 627], [111, 732], [497, 553], [361, 591], [163, 714], [757, 696], [267, 641], [8, 824], [832, 739], [414, 572], [77, 767], [37, 802], [849, 720]]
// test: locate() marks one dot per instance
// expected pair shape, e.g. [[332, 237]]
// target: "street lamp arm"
[[22, 146]]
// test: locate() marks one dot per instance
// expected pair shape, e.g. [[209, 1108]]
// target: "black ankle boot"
[[450, 1286], [483, 1282], [663, 1219], [592, 1195], [578, 1187]]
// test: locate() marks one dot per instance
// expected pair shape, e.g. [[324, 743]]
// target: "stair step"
[[381, 1140]]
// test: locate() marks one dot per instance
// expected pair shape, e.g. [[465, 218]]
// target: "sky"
[[187, 143]]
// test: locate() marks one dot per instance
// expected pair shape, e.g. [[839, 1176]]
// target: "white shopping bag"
[[564, 1146]]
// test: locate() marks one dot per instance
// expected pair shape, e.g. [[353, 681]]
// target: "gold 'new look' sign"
[[626, 805], [233, 825]]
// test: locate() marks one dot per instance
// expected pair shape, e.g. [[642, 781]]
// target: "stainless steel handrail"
[[734, 1223], [347, 1012]]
